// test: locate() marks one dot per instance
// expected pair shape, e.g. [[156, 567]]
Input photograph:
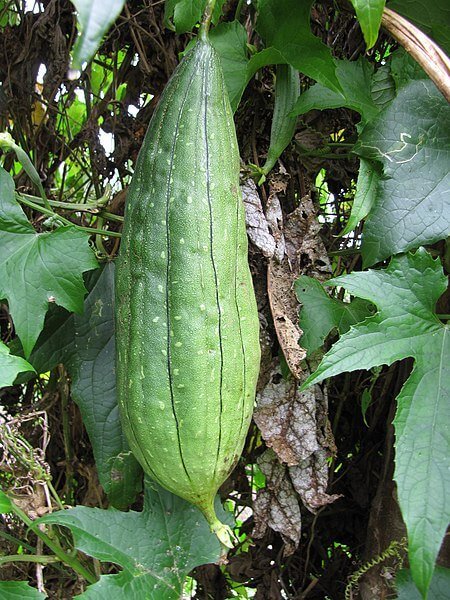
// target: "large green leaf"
[[355, 81], [406, 326], [85, 344], [285, 26], [36, 269], [95, 18], [411, 138], [439, 587], [10, 366], [230, 41], [19, 590], [156, 547], [320, 313], [369, 16], [91, 365]]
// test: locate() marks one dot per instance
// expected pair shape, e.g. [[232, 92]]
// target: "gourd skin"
[[187, 325]]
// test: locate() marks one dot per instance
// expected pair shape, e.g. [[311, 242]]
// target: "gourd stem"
[[223, 532], [206, 21]]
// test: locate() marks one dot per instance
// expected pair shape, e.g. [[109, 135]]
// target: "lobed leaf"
[[406, 326], [38, 268], [320, 313], [156, 548], [10, 366], [411, 138]]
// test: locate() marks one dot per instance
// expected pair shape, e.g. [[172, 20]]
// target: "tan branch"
[[425, 51]]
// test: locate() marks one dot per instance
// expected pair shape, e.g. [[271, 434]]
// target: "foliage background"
[[83, 136]]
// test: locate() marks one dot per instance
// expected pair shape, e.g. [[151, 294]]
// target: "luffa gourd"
[[187, 331]]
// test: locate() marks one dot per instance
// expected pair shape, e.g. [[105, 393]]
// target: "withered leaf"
[[257, 227], [276, 506], [310, 480], [304, 255], [287, 419]]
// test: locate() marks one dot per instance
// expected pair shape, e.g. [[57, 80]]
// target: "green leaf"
[[366, 401], [355, 80], [156, 547], [433, 18], [230, 41], [320, 313], [185, 13], [18, 590], [36, 269], [365, 195], [411, 138], [92, 369], [85, 344], [369, 16], [10, 366], [404, 69], [383, 88], [5, 504], [286, 26], [406, 326], [95, 18], [439, 587]]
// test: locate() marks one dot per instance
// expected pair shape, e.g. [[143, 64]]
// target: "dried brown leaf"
[[276, 506], [310, 480], [287, 419], [274, 217], [304, 255], [257, 227]]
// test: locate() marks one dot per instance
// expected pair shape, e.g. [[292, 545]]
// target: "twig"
[[424, 50], [63, 389], [37, 558], [90, 230]]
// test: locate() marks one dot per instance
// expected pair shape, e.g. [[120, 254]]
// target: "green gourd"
[[187, 329]]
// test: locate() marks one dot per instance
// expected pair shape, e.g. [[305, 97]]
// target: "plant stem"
[[71, 561], [90, 230], [63, 387], [54, 493], [206, 21], [93, 209], [42, 558]]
